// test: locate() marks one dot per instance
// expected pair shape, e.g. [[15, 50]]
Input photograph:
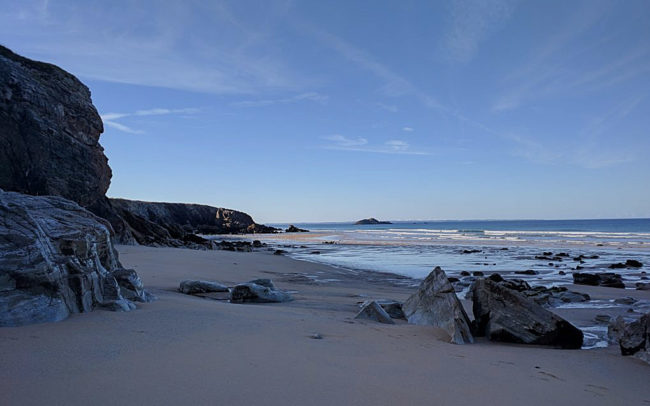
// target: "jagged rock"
[[635, 336], [436, 304], [606, 279], [373, 311], [294, 229], [392, 307], [57, 258], [254, 293], [504, 314], [192, 287]]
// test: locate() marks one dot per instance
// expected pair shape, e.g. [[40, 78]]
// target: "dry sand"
[[186, 350]]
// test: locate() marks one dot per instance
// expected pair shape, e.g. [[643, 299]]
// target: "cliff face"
[[154, 223], [49, 145], [49, 133]]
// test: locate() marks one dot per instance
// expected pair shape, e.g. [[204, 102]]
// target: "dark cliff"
[[49, 145], [49, 133]]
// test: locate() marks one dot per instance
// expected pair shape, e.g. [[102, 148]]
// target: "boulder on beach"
[[633, 337], [371, 310], [192, 287], [256, 293], [436, 304], [392, 307], [504, 314], [57, 258]]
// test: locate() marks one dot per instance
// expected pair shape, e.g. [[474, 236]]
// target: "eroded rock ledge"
[[57, 258]]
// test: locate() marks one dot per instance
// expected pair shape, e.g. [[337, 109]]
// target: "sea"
[[414, 248], [553, 249]]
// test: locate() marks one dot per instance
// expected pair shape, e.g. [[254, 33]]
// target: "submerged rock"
[[255, 293], [371, 310], [605, 279], [191, 287], [57, 258], [504, 314], [436, 304]]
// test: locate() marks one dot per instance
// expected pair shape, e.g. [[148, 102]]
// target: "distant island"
[[371, 220]]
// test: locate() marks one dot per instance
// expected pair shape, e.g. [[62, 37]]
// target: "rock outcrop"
[[436, 304], [57, 258], [49, 133], [294, 229], [49, 145], [632, 337], [371, 220], [176, 224], [503, 314]]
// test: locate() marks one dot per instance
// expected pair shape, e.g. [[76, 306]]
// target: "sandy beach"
[[183, 349]]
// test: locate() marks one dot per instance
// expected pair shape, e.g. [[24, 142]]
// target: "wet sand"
[[188, 350]]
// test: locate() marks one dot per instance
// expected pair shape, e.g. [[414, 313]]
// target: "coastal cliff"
[[49, 138], [49, 145]]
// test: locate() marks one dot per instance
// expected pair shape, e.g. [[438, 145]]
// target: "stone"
[[294, 229], [642, 286], [603, 318], [192, 287], [527, 272], [392, 307], [633, 337], [57, 258], [606, 279], [279, 252], [373, 311], [254, 293], [504, 314], [436, 304], [632, 263], [625, 300]]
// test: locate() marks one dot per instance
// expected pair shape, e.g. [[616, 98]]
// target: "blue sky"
[[338, 110]]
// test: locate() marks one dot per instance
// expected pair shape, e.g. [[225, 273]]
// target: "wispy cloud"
[[109, 118], [309, 96], [152, 46], [408, 129], [359, 144], [559, 66], [472, 22]]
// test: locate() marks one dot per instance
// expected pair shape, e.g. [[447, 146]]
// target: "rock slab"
[[436, 304], [503, 314]]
